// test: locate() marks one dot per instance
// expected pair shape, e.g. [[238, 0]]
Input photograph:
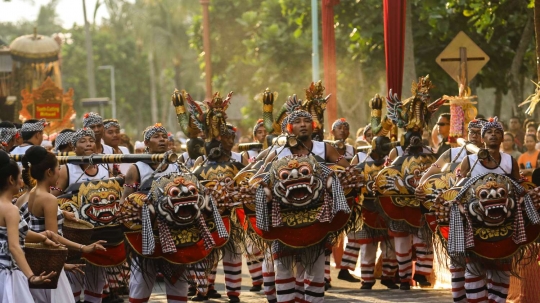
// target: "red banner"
[[394, 43], [49, 111]]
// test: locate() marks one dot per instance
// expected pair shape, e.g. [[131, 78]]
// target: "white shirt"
[[318, 149], [505, 168]]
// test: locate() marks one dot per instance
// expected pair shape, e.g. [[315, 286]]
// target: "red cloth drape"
[[329, 58], [394, 43]]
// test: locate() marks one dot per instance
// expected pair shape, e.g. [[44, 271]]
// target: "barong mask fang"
[[491, 201], [296, 181], [177, 199], [100, 202]]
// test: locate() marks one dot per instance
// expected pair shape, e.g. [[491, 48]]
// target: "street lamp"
[[113, 89]]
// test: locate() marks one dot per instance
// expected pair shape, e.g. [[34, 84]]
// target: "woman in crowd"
[[45, 215], [15, 273], [529, 160], [509, 146]]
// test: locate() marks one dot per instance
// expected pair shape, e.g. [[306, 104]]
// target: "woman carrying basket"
[[15, 273], [45, 215]]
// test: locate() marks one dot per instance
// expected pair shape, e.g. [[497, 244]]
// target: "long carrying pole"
[[115, 158], [315, 40]]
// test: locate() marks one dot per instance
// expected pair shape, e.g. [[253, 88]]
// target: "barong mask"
[[100, 202], [491, 200], [177, 199], [296, 181]]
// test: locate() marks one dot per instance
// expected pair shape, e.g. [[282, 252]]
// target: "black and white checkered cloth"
[[335, 201], [91, 118], [208, 240], [37, 224], [261, 207], [148, 241], [107, 123], [151, 130], [456, 237], [165, 238], [80, 133], [34, 126], [7, 133], [62, 139], [222, 231]]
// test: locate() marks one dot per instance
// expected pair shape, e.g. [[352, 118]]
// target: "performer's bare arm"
[[436, 167], [132, 179], [62, 182], [465, 167], [515, 170], [333, 156], [245, 158]]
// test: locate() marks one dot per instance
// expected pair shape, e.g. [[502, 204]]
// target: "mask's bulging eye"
[[484, 194], [112, 198], [284, 174], [174, 191], [95, 200]]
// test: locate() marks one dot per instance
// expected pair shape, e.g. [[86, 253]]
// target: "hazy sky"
[[69, 11]]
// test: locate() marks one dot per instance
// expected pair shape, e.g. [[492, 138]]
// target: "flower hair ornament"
[[151, 130]]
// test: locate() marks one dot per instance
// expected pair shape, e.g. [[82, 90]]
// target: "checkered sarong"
[[456, 237], [167, 242], [261, 208], [222, 231], [519, 226], [148, 241], [334, 201], [205, 234]]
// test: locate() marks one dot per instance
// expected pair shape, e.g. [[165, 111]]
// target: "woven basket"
[[78, 232], [42, 258]]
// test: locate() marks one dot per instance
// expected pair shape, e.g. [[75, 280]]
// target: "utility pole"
[[206, 47], [89, 56]]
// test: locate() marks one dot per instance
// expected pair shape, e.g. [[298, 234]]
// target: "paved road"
[[341, 291]]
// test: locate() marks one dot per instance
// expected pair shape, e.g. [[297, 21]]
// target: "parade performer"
[[75, 189], [259, 136], [94, 122], [8, 135], [44, 214], [218, 172], [374, 229], [62, 143], [487, 211], [396, 183], [15, 274], [32, 134], [111, 137], [139, 178], [194, 150], [340, 132], [292, 166]]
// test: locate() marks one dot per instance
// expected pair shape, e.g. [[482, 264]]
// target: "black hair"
[[446, 115], [17, 125], [66, 130], [37, 160], [8, 168], [478, 117], [6, 124], [28, 135], [532, 136], [513, 139]]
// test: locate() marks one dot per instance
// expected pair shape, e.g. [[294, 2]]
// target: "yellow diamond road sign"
[[450, 59]]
